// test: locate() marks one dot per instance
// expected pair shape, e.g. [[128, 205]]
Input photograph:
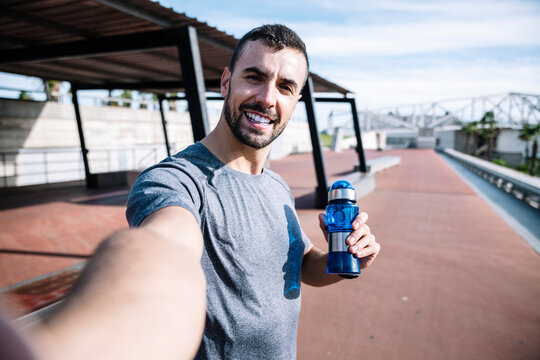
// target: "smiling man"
[[254, 253], [215, 250]]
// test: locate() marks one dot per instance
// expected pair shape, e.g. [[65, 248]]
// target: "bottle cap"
[[342, 190]]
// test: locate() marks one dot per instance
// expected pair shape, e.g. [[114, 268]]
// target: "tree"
[[172, 103], [24, 95], [471, 130], [531, 133], [489, 132], [52, 89], [126, 95], [111, 102]]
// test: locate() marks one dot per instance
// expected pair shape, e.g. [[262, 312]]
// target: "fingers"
[[365, 247], [369, 254], [359, 220], [357, 234]]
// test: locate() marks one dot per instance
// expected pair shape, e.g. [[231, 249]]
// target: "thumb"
[[322, 225]]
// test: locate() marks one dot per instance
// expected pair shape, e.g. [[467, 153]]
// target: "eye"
[[287, 88], [253, 77]]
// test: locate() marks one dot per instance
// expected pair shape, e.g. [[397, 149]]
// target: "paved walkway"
[[453, 280]]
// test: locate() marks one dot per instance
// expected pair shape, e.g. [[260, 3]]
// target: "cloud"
[[397, 86], [420, 37], [407, 51]]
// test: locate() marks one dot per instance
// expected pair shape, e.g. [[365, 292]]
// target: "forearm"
[[314, 269], [141, 296]]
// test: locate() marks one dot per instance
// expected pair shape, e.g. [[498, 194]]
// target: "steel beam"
[[24, 16], [90, 180], [92, 47], [321, 192], [192, 73], [208, 97], [145, 14], [164, 123], [356, 123], [146, 85], [359, 146]]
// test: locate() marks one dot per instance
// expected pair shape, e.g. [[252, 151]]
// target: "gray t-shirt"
[[253, 250]]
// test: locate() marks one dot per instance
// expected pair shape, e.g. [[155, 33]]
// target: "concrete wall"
[[401, 138], [371, 140], [39, 141], [509, 142], [510, 148], [294, 139], [31, 124], [445, 139]]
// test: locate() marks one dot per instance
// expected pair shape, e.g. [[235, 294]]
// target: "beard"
[[248, 135]]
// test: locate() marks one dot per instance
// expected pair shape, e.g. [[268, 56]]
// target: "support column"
[[192, 74], [164, 123], [90, 180], [359, 146], [321, 192]]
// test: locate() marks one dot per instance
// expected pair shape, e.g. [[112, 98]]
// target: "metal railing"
[[50, 165], [523, 187]]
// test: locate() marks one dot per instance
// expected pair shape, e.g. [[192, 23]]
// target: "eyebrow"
[[261, 72]]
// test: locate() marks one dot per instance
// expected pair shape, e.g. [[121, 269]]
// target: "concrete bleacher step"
[[380, 164], [364, 183]]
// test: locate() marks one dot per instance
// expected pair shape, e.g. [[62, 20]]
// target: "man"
[[254, 251], [212, 209]]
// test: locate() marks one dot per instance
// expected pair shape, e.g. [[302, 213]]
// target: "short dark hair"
[[276, 37]]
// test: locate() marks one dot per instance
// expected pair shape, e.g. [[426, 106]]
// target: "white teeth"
[[258, 118]]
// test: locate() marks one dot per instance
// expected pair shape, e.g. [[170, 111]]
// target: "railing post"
[[5, 170], [46, 167]]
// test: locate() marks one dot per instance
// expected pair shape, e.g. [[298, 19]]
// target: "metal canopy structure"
[[136, 44]]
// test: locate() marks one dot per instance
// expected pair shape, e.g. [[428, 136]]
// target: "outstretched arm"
[[141, 296], [361, 243]]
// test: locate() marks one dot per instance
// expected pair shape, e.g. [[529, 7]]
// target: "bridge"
[[512, 109]]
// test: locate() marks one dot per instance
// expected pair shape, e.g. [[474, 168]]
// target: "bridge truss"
[[510, 110]]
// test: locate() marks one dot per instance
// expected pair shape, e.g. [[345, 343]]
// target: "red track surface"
[[453, 280]]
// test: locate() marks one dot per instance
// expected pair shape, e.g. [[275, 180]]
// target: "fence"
[[523, 187], [49, 165]]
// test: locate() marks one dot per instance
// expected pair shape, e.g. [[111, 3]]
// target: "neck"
[[226, 147]]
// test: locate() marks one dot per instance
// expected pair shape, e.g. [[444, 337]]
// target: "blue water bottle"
[[340, 213]]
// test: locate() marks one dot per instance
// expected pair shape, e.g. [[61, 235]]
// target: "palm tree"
[[489, 132], [530, 133], [470, 129]]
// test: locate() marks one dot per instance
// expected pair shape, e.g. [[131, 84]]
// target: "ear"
[[225, 80]]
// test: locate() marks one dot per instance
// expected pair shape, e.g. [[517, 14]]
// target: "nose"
[[267, 95]]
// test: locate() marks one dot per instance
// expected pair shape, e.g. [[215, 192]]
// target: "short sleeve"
[[306, 241], [161, 186]]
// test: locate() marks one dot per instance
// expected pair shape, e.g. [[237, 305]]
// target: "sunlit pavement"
[[453, 281]]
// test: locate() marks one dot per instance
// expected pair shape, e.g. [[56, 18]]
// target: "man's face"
[[261, 94]]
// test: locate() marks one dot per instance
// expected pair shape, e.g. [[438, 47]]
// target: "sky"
[[391, 52]]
